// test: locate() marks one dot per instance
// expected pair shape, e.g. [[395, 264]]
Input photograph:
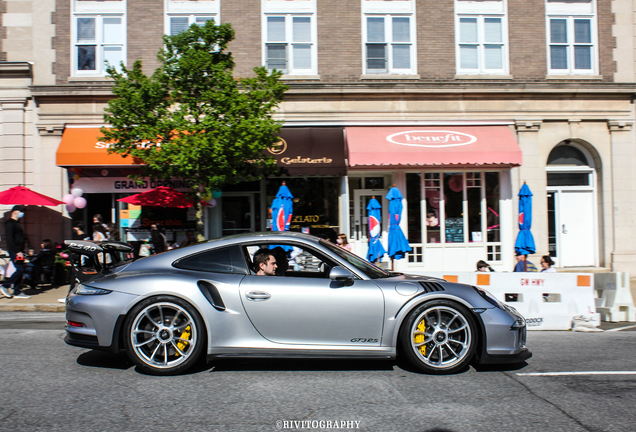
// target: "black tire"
[[164, 335], [439, 337]]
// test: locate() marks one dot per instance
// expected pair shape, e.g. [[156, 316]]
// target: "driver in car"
[[264, 263]]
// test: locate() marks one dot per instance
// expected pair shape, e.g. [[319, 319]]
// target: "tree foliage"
[[192, 119]]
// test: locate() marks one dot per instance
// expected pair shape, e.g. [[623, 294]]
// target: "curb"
[[33, 307]]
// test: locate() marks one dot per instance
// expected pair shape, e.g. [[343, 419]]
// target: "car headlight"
[[81, 289], [520, 322]]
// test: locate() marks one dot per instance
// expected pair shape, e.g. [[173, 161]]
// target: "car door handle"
[[257, 295]]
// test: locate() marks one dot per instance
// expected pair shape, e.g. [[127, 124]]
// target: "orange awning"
[[81, 146], [454, 146]]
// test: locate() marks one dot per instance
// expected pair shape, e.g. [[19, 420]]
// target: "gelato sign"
[[431, 138]]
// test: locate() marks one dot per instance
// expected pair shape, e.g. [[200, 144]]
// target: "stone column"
[[14, 148], [623, 195], [532, 171]]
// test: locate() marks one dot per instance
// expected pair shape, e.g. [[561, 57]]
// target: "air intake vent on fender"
[[212, 294], [430, 287]]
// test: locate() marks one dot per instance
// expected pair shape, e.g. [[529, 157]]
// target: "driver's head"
[[281, 260], [265, 262]]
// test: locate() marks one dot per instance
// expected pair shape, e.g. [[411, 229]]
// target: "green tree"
[[192, 119]]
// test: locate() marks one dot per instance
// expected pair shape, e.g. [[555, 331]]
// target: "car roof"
[[265, 236]]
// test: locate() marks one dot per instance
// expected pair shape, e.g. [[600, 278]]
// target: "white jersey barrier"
[[614, 298], [548, 301]]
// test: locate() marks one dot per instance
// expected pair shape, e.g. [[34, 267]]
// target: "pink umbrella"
[[25, 196]]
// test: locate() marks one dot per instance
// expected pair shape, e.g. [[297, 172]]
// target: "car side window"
[[221, 260], [296, 261]]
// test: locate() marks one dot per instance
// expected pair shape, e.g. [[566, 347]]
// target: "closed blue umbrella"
[[376, 250], [282, 209], [525, 242], [398, 244]]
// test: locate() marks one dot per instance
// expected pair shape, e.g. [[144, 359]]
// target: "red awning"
[[432, 146]]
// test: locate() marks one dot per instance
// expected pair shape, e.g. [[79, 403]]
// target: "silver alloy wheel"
[[441, 337], [163, 335]]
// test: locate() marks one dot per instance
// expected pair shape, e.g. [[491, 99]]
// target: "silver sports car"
[[279, 295]]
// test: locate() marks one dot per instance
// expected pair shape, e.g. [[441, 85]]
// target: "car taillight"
[[74, 324]]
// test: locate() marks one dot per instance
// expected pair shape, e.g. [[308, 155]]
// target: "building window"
[[481, 45], [98, 40], [179, 23], [389, 47], [571, 37], [571, 45], [290, 44]]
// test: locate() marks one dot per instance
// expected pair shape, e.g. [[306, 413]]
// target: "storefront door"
[[574, 213], [361, 221], [238, 213]]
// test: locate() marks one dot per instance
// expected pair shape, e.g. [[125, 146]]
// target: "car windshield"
[[373, 271]]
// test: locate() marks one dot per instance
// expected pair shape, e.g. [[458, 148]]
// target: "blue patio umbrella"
[[376, 250], [525, 242], [282, 209], [398, 244]]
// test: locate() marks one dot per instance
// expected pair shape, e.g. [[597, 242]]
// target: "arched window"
[[567, 155]]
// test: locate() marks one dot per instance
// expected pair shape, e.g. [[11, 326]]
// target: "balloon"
[[77, 192], [216, 193], [70, 208], [212, 202], [79, 202], [207, 196], [68, 199], [76, 177]]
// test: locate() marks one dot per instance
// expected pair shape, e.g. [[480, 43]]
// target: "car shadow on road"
[[500, 367], [297, 364], [104, 359], [108, 360]]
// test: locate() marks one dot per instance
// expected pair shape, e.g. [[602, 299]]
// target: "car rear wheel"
[[164, 335], [439, 337]]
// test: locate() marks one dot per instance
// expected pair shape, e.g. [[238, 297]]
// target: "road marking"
[[577, 373], [622, 328]]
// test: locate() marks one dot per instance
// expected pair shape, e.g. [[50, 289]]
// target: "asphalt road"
[[49, 386]]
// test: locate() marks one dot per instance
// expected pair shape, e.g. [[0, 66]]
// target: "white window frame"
[[481, 11], [100, 67], [191, 19], [291, 69], [389, 43], [481, 45], [192, 10], [570, 44]]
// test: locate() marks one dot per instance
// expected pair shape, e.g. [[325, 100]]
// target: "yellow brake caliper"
[[185, 334], [419, 338]]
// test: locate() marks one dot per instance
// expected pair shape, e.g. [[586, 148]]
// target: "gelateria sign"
[[431, 138], [310, 151]]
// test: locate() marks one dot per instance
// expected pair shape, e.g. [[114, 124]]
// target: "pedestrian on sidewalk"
[[15, 247]]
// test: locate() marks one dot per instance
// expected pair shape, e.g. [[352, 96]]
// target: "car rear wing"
[[88, 247], [91, 258]]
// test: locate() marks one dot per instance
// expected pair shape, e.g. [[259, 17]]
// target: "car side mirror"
[[341, 274]]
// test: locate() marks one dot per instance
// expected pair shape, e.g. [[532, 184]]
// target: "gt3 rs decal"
[[364, 340]]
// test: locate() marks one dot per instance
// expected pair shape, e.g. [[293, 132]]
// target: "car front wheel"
[[439, 337], [164, 335]]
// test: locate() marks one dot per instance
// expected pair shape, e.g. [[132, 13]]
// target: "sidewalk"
[[43, 299]]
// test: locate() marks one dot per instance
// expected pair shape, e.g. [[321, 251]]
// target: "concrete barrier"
[[548, 301], [614, 298]]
